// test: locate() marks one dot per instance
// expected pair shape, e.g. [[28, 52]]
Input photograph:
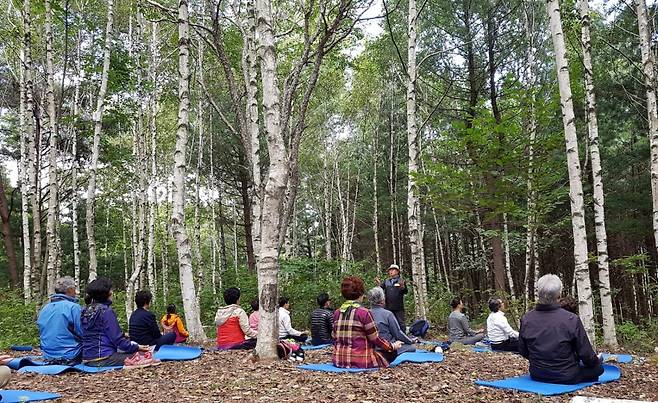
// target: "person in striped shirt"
[[322, 321]]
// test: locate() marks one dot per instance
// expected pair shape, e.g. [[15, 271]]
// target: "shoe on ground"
[[141, 360]]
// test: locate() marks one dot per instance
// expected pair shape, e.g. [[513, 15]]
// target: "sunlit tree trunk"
[[609, 331], [508, 259], [413, 203], [98, 125], [152, 116], [573, 164], [328, 187], [183, 247], [375, 205], [275, 185]]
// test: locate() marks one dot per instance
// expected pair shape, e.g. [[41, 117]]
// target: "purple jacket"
[[554, 341], [102, 335]]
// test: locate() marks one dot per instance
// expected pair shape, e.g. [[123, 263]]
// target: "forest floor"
[[232, 376]]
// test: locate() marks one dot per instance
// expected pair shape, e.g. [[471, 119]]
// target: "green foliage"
[[17, 321], [637, 338]]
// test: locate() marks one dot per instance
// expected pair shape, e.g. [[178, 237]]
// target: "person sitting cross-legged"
[[59, 325], [387, 324], [322, 321], [142, 326], [355, 332], [172, 323], [458, 327], [233, 330], [103, 342], [286, 331], [501, 334], [554, 340]]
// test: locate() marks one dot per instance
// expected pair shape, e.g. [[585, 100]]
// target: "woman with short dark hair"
[[355, 332], [501, 334], [143, 327]]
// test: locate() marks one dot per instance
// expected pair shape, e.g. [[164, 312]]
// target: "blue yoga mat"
[[18, 363], [60, 369], [525, 384], [177, 353], [17, 396], [621, 358], [482, 349], [417, 357], [318, 347], [21, 348]]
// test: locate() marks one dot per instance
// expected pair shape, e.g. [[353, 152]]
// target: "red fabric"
[[229, 333]]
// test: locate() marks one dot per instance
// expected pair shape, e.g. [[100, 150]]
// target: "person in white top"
[[501, 334], [286, 331]]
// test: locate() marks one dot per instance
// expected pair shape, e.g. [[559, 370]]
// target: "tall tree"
[[573, 164], [609, 332], [98, 126], [183, 247]]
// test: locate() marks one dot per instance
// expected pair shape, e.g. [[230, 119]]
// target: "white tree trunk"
[[275, 186], [391, 189], [52, 154], [152, 116], [344, 223], [413, 202], [573, 163], [328, 186], [609, 331], [375, 205], [27, 144], [98, 125], [186, 272], [74, 169], [508, 261]]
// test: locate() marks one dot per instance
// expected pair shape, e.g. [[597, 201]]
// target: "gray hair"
[[549, 289], [63, 284], [376, 296]]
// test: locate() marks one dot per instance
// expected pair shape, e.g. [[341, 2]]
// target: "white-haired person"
[[554, 340], [394, 289], [499, 331], [60, 325], [387, 325]]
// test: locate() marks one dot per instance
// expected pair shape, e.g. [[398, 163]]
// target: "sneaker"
[[299, 358], [480, 344], [141, 360]]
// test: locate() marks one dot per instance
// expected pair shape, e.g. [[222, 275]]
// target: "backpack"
[[419, 328]]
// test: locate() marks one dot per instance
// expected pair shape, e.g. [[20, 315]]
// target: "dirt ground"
[[232, 376]]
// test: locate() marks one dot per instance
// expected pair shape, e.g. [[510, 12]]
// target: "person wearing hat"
[[394, 289]]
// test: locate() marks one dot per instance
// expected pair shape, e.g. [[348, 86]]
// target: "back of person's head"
[[254, 304], [64, 284], [231, 295], [454, 303], [171, 310], [569, 303], [322, 299], [143, 298], [98, 290], [283, 301], [495, 303], [352, 288], [549, 289], [376, 296]]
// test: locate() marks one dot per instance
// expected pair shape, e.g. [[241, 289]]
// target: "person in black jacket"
[[554, 340], [143, 328], [322, 321], [394, 289]]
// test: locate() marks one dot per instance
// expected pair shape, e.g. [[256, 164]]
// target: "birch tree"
[[98, 126], [609, 332], [52, 154], [413, 202], [573, 165], [183, 247]]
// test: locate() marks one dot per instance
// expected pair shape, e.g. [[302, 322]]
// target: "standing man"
[[394, 289], [60, 326]]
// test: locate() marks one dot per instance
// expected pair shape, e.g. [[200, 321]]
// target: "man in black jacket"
[[143, 328], [554, 340], [394, 289], [322, 321]]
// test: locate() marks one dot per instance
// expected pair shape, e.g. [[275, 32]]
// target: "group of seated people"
[[92, 335], [551, 336]]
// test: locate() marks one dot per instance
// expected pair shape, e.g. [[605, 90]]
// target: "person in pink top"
[[254, 318]]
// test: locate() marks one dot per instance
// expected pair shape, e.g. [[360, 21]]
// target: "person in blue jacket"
[[103, 342], [59, 325]]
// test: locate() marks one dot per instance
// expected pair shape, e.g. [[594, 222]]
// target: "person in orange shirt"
[[233, 330], [171, 322]]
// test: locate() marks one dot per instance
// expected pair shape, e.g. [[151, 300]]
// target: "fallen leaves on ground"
[[232, 376]]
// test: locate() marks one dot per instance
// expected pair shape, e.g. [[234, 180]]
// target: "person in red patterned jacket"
[[355, 331], [233, 331]]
